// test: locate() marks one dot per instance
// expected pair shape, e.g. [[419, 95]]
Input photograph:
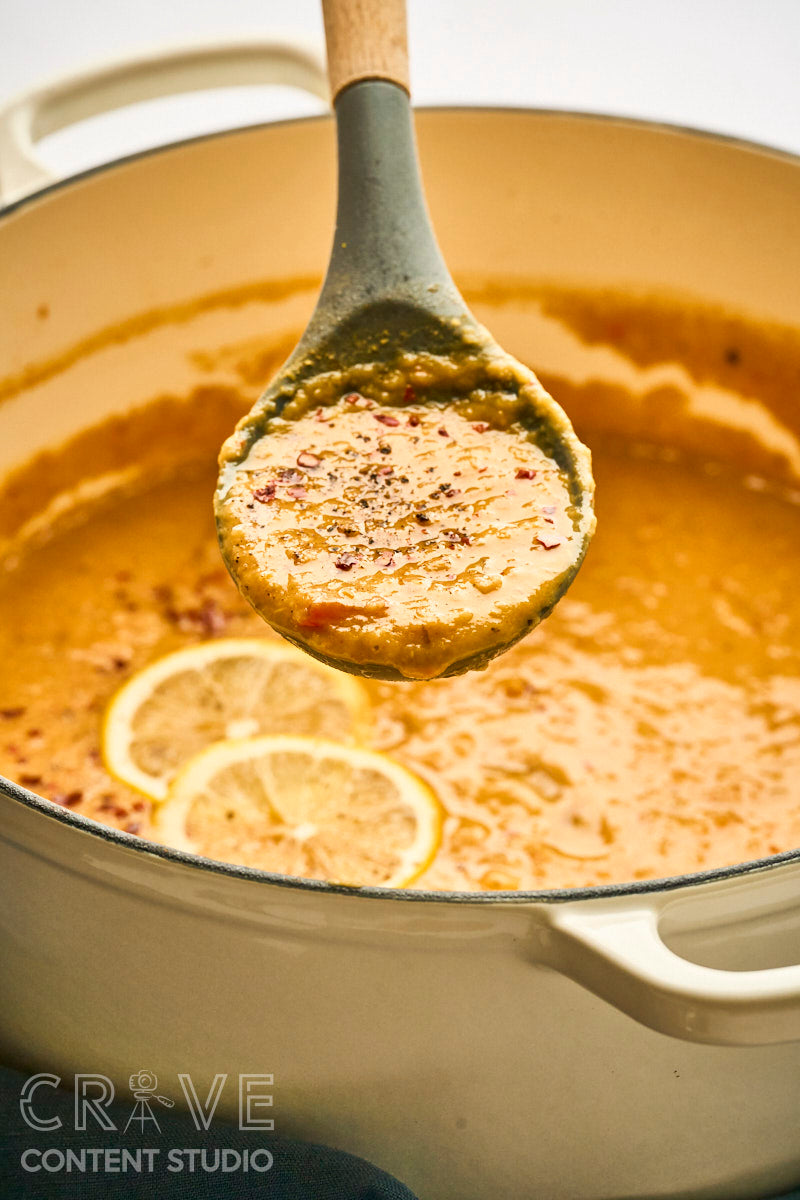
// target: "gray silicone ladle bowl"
[[387, 290]]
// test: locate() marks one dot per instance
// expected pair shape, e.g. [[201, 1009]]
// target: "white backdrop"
[[728, 65]]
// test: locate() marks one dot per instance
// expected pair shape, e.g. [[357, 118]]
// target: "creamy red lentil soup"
[[649, 727], [410, 521]]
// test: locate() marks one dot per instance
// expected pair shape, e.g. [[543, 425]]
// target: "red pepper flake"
[[212, 618], [455, 535], [442, 432], [68, 799], [307, 459], [297, 493], [208, 618], [409, 395], [353, 398], [413, 420], [548, 541], [385, 470], [264, 494], [346, 561], [525, 473], [385, 559], [320, 415], [480, 426], [456, 473], [9, 714], [386, 418], [452, 492]]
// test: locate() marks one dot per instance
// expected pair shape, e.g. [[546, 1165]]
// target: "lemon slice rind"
[[117, 735], [172, 816]]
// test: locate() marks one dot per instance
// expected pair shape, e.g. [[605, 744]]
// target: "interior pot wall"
[[580, 201]]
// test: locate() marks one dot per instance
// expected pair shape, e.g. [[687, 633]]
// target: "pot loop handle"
[[618, 952], [33, 115]]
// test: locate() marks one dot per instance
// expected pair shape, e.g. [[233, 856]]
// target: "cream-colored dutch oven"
[[641, 1041]]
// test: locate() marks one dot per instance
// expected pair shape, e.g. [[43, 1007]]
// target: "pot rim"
[[47, 809], [640, 887], [642, 123]]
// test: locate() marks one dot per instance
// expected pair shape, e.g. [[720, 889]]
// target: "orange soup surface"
[[649, 727]]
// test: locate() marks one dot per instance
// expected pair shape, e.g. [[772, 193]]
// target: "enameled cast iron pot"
[[640, 1041]]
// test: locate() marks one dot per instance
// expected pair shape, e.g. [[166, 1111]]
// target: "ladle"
[[388, 305]]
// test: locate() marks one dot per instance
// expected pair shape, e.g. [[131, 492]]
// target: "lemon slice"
[[214, 691], [304, 807]]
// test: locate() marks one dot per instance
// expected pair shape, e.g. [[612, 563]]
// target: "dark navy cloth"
[[297, 1170], [261, 1165]]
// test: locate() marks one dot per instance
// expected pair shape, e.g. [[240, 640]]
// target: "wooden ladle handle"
[[366, 39]]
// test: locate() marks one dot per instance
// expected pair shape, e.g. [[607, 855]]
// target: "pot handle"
[[619, 954], [33, 115]]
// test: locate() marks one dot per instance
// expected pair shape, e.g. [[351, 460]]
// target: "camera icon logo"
[[144, 1086]]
